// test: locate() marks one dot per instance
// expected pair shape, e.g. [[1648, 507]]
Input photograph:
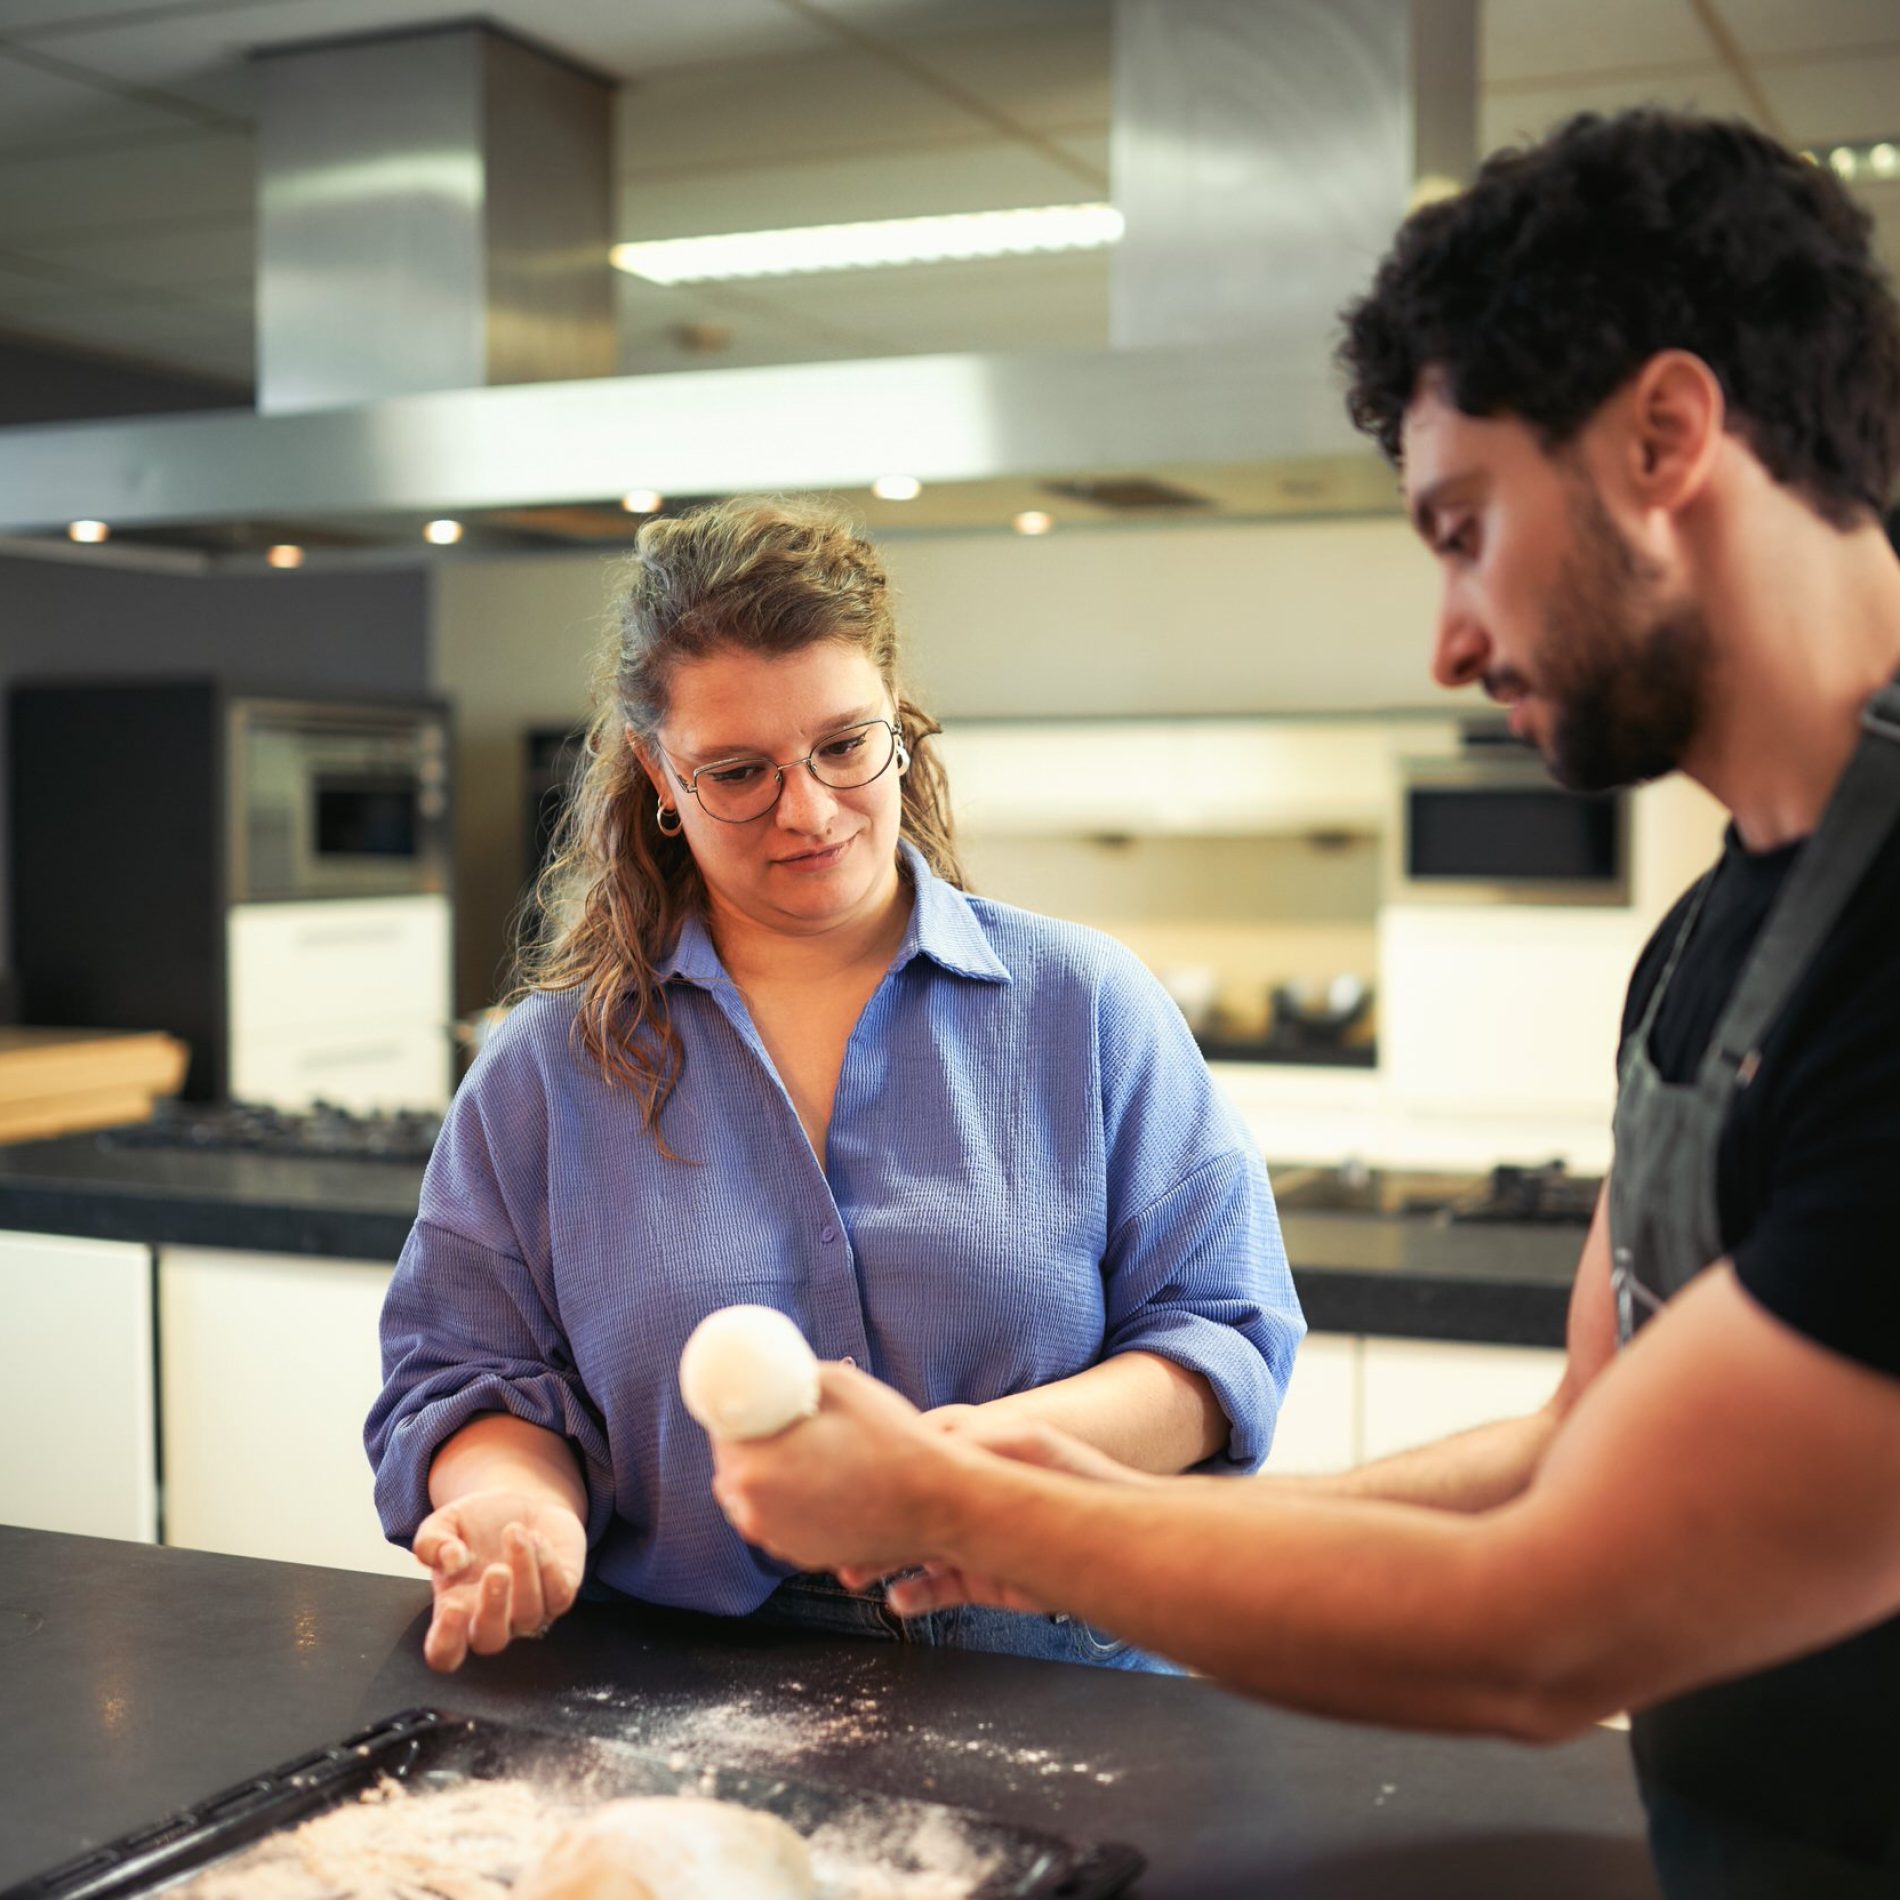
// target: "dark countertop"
[[1407, 1277], [139, 1680]]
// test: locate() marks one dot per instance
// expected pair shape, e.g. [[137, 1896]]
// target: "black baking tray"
[[430, 1747]]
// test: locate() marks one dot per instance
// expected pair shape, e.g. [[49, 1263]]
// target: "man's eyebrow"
[[1425, 505]]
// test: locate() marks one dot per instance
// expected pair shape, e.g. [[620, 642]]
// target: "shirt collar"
[[942, 927]]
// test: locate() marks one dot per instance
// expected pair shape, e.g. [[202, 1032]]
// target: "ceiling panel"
[[182, 255], [1518, 115], [1776, 26], [206, 176], [1043, 74], [202, 55], [983, 176], [1824, 102], [748, 114], [845, 103], [1538, 40], [26, 293], [36, 104]]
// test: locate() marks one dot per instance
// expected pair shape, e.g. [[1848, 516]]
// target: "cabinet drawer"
[[335, 961], [269, 1367], [364, 1065], [76, 1407]]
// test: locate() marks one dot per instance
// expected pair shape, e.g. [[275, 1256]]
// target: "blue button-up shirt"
[[1028, 1170]]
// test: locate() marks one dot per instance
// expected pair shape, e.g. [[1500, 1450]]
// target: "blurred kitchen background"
[[337, 368]]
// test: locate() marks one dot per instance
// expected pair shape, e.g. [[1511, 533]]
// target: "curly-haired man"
[[1643, 383]]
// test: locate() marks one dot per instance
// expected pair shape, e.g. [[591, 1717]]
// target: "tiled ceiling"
[[126, 219]]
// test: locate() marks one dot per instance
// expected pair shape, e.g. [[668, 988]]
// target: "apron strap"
[[1851, 834]]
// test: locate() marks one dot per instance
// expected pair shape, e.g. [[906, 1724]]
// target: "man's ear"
[[1675, 424]]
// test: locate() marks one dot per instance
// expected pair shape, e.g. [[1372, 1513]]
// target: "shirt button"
[[847, 1360], [827, 1234]]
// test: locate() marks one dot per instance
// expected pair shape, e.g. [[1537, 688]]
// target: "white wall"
[[511, 644], [1254, 617]]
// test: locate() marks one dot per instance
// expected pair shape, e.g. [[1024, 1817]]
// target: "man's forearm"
[[1369, 1611], [498, 1452]]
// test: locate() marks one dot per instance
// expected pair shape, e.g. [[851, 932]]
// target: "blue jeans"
[[823, 1604]]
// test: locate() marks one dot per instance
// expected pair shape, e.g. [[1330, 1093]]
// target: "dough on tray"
[[672, 1847]]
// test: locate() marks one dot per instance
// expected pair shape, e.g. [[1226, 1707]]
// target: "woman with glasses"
[[770, 1051]]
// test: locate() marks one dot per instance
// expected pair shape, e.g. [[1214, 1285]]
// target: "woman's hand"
[[504, 1564]]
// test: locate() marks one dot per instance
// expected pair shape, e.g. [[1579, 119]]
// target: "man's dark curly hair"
[[1568, 264]]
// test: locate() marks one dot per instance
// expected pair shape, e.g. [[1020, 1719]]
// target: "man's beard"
[[1626, 684]]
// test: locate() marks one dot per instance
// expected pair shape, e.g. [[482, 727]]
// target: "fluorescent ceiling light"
[[643, 501], [443, 534], [822, 247], [897, 488], [87, 531]]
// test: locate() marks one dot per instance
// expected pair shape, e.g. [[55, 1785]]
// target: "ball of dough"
[[746, 1372], [671, 1847]]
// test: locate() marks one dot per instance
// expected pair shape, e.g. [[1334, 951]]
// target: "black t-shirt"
[[1790, 1773], [1808, 1165]]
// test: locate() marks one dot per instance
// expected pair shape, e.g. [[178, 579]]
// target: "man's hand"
[[940, 1586], [860, 1484], [504, 1564]]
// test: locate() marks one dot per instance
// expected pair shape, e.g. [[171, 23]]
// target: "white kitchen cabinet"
[[346, 1000], [1417, 1390], [1318, 1427], [268, 1365], [364, 1066], [76, 1406]]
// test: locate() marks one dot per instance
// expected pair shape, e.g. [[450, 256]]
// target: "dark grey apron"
[[1664, 1230]]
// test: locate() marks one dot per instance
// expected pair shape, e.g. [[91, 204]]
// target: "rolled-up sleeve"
[[464, 1333], [1200, 1277], [1195, 1268], [468, 1326]]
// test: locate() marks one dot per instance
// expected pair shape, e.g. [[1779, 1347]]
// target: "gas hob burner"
[[1545, 1196], [323, 1131]]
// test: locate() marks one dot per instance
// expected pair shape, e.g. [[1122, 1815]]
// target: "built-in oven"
[[1489, 824], [337, 800]]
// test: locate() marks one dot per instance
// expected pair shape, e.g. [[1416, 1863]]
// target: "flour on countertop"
[[756, 1728]]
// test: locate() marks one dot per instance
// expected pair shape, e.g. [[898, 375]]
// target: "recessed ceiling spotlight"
[[444, 534], [1033, 521], [643, 501], [872, 245], [1859, 159], [88, 531], [897, 488], [285, 554]]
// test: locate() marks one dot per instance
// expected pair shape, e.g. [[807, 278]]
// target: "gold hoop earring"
[[662, 812]]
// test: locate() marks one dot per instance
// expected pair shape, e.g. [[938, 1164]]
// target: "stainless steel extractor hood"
[[1264, 150]]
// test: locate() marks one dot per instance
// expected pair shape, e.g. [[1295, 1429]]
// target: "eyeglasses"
[[739, 789]]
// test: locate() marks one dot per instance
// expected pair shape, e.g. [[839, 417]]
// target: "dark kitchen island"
[[139, 1680]]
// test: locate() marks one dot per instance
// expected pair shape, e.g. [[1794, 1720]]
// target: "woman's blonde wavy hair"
[[750, 576]]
